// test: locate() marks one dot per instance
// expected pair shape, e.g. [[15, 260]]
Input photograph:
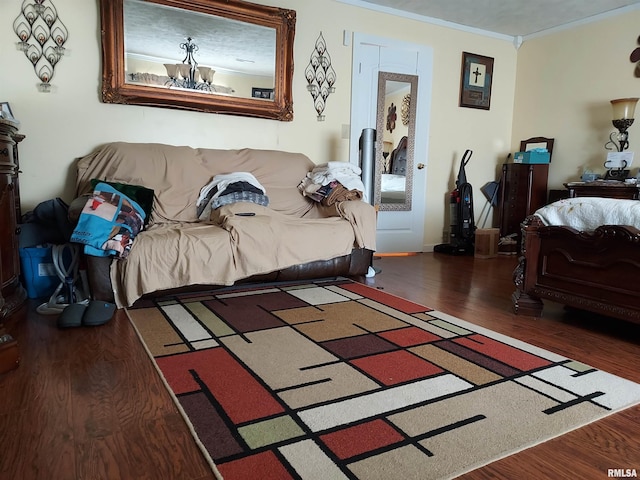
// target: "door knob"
[[420, 166]]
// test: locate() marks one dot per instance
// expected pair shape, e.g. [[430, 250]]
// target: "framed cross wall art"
[[475, 81]]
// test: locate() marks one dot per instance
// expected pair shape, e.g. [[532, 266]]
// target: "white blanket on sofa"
[[587, 213]]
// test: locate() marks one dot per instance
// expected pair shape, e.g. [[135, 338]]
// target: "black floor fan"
[[462, 232]]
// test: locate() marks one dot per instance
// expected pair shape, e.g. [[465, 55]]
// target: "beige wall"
[[563, 86], [71, 121]]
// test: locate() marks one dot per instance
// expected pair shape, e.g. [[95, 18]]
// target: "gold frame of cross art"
[[475, 81]]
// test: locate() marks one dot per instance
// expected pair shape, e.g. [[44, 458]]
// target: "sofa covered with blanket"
[[194, 235]]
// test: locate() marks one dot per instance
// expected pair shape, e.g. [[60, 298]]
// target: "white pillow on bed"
[[588, 213]]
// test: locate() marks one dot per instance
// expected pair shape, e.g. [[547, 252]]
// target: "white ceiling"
[[507, 17], [154, 32]]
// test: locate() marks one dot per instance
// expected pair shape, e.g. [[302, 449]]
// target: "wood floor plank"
[[87, 403], [39, 434]]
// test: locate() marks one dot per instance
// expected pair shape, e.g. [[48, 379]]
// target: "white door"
[[398, 231]]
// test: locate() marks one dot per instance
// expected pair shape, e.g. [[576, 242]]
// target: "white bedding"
[[588, 213], [393, 183]]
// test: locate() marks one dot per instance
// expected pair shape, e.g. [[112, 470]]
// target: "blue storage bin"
[[532, 157], [38, 273]]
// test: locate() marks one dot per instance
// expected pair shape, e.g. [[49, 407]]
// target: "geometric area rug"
[[337, 380]]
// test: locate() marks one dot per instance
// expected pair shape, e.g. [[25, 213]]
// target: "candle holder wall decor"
[[405, 109], [320, 76], [42, 36], [635, 58]]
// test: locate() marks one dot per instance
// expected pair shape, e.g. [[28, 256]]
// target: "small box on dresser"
[[532, 157]]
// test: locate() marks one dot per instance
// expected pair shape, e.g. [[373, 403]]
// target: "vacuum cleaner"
[[462, 232]]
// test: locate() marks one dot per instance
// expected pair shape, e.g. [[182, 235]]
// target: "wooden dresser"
[[523, 190], [12, 293], [603, 188]]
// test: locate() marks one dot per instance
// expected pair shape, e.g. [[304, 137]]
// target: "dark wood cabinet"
[[523, 190], [12, 293], [605, 189]]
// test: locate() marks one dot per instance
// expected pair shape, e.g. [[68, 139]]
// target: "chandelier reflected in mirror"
[[188, 74]]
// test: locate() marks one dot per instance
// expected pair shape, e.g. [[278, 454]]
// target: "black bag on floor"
[[47, 223]]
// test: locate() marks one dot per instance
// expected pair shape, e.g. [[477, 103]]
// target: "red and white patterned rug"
[[334, 379]]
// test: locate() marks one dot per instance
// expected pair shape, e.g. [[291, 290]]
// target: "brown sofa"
[[292, 238]]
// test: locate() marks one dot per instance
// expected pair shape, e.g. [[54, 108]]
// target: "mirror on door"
[[395, 140]]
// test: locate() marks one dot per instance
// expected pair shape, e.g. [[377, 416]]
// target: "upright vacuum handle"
[[462, 176], [466, 157]]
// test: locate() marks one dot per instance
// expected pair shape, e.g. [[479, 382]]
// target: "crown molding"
[[516, 40]]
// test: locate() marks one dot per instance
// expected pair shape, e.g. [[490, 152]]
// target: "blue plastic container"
[[38, 273], [532, 157]]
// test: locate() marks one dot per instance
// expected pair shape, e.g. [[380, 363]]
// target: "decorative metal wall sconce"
[[392, 116], [42, 36], [405, 109], [320, 76], [635, 58]]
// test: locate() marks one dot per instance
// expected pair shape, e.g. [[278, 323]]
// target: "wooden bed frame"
[[597, 271]]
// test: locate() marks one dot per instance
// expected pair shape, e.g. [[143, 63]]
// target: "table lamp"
[[623, 111]]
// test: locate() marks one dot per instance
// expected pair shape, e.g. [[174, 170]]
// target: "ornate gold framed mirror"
[[147, 44]]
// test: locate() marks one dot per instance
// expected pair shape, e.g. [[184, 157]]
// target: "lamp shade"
[[172, 69], [184, 69], [624, 108], [206, 73]]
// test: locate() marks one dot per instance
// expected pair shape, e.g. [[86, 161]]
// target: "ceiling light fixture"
[[188, 74]]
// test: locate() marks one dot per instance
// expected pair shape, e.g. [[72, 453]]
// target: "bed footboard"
[[595, 271]]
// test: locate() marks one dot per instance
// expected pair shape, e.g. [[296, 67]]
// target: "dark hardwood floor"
[[88, 404]]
